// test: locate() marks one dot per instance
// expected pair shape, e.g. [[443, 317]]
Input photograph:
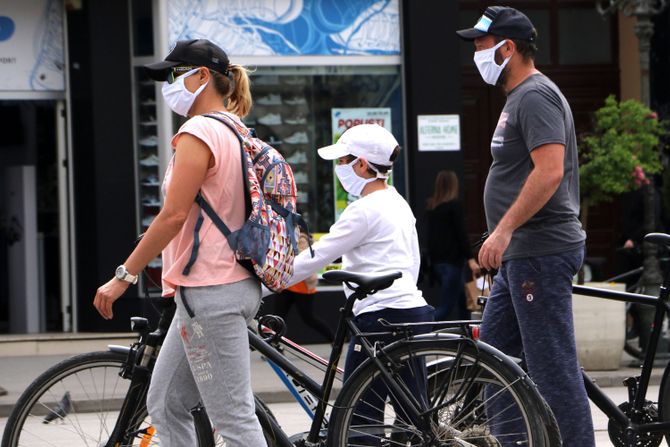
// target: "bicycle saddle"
[[658, 239], [367, 283]]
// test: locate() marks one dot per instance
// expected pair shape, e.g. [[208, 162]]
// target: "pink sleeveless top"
[[223, 190]]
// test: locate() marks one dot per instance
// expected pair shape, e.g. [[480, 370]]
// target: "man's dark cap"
[[501, 21], [196, 52]]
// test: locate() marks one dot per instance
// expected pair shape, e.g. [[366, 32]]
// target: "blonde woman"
[[205, 356], [448, 245]]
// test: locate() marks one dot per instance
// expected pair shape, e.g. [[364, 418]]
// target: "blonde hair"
[[446, 189], [236, 91]]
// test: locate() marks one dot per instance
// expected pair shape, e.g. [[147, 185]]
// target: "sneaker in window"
[[151, 160], [151, 180], [298, 119], [297, 138], [294, 80], [272, 99], [147, 220], [148, 102], [298, 157], [151, 201], [300, 177], [155, 263], [271, 119], [273, 142], [150, 121], [149, 141], [295, 101], [265, 80], [303, 197]]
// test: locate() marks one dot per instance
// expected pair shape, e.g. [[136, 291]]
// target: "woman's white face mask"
[[177, 96], [486, 64], [351, 182]]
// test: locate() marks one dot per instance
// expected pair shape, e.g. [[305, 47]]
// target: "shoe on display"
[[147, 220], [265, 80], [298, 157], [151, 201], [298, 119], [297, 138], [148, 102], [303, 197], [271, 119], [149, 141], [272, 99], [300, 177], [151, 180], [294, 80], [150, 121], [295, 101], [155, 263], [151, 160], [273, 142]]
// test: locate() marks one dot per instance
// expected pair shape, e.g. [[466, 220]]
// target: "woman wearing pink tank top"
[[205, 356]]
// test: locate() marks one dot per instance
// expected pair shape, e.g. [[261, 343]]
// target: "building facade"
[[87, 134]]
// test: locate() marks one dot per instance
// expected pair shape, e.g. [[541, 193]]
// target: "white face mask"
[[351, 182], [177, 96], [486, 64]]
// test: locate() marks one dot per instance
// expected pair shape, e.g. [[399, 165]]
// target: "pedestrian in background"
[[205, 356], [302, 296], [448, 246], [531, 199]]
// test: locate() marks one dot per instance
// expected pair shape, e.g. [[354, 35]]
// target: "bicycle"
[[435, 389]]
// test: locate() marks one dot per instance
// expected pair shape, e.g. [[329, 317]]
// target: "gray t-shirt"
[[536, 113]]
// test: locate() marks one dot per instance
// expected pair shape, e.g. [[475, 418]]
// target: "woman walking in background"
[[448, 245]]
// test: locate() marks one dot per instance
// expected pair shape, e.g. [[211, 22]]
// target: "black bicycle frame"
[[596, 395]]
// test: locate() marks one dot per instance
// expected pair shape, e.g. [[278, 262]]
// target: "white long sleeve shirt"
[[375, 234]]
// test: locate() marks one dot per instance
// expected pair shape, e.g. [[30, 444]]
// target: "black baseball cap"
[[501, 21], [196, 52]]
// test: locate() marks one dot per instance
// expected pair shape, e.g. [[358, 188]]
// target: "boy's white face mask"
[[351, 182], [177, 96], [486, 64]]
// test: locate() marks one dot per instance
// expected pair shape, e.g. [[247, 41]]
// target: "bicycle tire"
[[459, 373], [664, 400], [26, 427]]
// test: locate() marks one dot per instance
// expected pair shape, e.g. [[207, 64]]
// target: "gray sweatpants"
[[205, 358]]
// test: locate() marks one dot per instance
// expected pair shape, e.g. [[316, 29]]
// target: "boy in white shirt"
[[376, 233]]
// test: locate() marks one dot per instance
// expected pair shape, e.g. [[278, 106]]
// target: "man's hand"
[[107, 294], [491, 253]]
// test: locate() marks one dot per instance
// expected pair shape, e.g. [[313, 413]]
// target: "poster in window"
[[343, 119]]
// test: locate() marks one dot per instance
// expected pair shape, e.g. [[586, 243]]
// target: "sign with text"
[[439, 132], [343, 119], [31, 46]]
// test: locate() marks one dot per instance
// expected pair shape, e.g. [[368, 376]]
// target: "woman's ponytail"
[[235, 89]]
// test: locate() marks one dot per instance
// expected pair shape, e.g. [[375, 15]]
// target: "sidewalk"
[[24, 358]]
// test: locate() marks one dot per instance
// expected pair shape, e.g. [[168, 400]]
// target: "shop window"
[[584, 37], [292, 111], [143, 31]]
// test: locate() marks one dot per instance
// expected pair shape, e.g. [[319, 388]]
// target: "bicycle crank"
[[618, 434]]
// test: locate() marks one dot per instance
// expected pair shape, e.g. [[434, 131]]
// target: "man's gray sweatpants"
[[205, 358]]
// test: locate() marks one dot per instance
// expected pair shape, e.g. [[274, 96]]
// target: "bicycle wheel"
[[468, 393], [75, 402]]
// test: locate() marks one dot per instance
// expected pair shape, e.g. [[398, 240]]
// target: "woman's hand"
[[107, 294]]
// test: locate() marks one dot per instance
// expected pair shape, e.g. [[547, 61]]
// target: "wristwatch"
[[122, 274]]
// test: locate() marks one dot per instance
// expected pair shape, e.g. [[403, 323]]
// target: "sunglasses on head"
[[175, 72]]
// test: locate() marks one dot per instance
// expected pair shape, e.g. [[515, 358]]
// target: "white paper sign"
[[439, 132]]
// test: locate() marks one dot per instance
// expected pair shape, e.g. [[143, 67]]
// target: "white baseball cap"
[[369, 141]]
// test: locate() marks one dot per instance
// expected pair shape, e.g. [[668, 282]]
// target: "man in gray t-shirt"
[[531, 200]]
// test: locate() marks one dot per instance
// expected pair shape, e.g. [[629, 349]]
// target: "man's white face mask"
[[486, 64]]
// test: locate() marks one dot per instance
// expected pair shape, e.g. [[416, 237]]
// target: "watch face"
[[120, 272]]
